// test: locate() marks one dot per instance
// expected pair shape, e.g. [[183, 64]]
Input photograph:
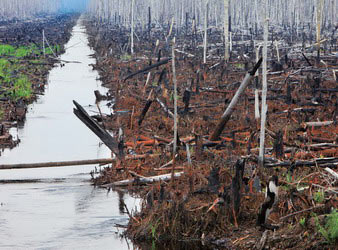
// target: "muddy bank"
[[25, 63], [212, 200]]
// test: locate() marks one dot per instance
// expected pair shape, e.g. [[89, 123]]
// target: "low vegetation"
[[13, 81]]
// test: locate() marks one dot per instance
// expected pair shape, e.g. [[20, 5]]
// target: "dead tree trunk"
[[227, 114]]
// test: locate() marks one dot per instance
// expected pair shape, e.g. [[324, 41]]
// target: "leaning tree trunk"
[[230, 109]]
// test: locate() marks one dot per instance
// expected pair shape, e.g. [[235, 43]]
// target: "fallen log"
[[333, 173], [56, 164], [148, 68], [326, 90], [165, 108], [143, 180], [72, 163], [301, 211], [318, 124], [145, 143], [321, 145], [227, 114], [315, 162]]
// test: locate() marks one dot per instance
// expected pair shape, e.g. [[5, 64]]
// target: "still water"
[[57, 208]]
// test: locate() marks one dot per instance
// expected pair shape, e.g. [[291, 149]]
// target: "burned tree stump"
[[278, 145]]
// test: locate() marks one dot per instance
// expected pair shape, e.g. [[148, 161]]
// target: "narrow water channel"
[[57, 208]]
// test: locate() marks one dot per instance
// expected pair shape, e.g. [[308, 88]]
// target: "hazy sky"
[[74, 5]]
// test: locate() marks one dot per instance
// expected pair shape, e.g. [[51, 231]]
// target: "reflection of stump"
[[98, 96]]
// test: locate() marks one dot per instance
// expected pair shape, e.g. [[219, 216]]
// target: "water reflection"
[[57, 208]]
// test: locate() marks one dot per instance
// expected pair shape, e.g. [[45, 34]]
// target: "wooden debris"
[[141, 181]]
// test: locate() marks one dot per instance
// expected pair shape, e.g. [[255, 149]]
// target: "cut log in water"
[[72, 163]]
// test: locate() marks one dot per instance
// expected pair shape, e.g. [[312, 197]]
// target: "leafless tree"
[[24, 9]]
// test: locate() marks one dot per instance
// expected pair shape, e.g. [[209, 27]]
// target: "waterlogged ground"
[[57, 207]]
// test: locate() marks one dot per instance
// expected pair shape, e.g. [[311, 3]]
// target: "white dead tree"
[[24, 9], [226, 30], [295, 15], [264, 84], [257, 113], [175, 98], [205, 43], [319, 10], [132, 27]]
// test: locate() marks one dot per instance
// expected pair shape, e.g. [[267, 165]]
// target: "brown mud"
[[33, 66], [301, 90]]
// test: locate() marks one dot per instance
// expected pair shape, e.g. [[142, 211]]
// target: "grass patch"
[[5, 71], [22, 88], [6, 49], [2, 113], [24, 51], [13, 84], [125, 57], [55, 49]]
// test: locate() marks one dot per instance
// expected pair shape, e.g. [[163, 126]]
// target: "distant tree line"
[[295, 14], [25, 9]]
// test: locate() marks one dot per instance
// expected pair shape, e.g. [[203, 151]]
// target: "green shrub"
[[330, 230], [125, 57], [319, 196]]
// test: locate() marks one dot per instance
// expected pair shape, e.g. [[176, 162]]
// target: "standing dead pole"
[[205, 43], [319, 13], [175, 98], [149, 21], [132, 28], [277, 51], [170, 29], [230, 109], [43, 43], [264, 87], [175, 108], [257, 113], [226, 31]]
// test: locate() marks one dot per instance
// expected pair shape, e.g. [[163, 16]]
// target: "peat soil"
[[220, 190], [24, 67]]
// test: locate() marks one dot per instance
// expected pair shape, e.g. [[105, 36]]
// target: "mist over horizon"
[[73, 5]]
